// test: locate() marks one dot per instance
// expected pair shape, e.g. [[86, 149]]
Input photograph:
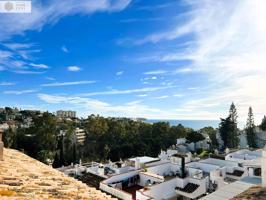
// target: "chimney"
[[137, 164], [1, 145], [263, 167], [183, 171]]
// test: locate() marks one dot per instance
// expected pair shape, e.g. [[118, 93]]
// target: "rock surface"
[[22, 177], [254, 193]]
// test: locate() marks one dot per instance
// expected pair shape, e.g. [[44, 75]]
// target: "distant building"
[[80, 135], [66, 114]]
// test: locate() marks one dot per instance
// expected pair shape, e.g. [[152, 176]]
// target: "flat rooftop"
[[218, 162], [22, 177], [144, 159], [232, 190], [246, 154]]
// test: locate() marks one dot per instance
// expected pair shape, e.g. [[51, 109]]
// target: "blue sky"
[[166, 59]]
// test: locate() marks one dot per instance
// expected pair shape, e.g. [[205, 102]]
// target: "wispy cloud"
[[156, 7], [130, 91], [39, 66], [27, 72], [161, 97], [18, 58], [183, 70], [155, 72], [129, 109], [119, 73], [7, 83], [50, 78], [19, 92], [227, 44], [88, 105], [136, 20], [57, 84], [142, 95], [52, 11], [74, 68], [178, 95], [64, 49]]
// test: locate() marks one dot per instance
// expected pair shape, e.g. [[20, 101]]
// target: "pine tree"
[[224, 130], [263, 124], [250, 129], [228, 129], [233, 131], [233, 113]]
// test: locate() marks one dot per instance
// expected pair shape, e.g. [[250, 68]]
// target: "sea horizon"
[[189, 123]]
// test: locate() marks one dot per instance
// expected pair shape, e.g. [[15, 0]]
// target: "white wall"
[[144, 178], [123, 169], [163, 190], [116, 192], [141, 196], [161, 170], [120, 177], [203, 166]]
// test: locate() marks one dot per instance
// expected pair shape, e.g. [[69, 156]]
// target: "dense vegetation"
[[107, 138], [114, 138]]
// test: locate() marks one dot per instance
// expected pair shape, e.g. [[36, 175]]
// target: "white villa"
[[177, 174]]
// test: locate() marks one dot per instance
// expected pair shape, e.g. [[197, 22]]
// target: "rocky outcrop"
[[22, 177]]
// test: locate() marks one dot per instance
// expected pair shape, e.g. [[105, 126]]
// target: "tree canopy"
[[250, 129], [263, 124], [228, 129]]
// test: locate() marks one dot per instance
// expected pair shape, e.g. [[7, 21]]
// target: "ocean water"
[[195, 124]]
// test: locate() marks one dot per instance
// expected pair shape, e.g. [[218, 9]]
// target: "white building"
[[164, 179], [178, 175], [80, 135], [66, 114]]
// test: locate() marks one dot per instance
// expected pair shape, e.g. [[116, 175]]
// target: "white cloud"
[[162, 97], [88, 105], [119, 73], [52, 11], [18, 58], [169, 35], [56, 84], [19, 92], [39, 66], [130, 91], [50, 78], [142, 95], [27, 72], [156, 72], [183, 71], [133, 102], [7, 83], [178, 95], [64, 49], [73, 68], [228, 46]]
